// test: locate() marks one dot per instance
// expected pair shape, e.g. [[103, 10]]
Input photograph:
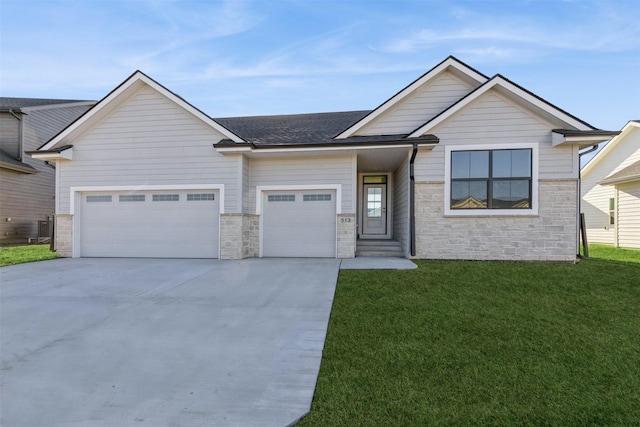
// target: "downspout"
[[412, 207], [19, 133], [579, 213]]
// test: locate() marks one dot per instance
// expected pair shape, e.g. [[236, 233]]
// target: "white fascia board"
[[499, 81], [62, 155], [610, 145], [449, 62], [585, 140], [73, 191]]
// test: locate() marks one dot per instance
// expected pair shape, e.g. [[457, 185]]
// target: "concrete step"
[[385, 254], [378, 248]]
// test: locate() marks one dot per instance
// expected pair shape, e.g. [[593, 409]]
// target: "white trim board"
[[491, 212]]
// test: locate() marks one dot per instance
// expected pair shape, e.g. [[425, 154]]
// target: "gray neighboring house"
[[456, 165], [27, 185]]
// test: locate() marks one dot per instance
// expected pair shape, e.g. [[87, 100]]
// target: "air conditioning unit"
[[43, 229]]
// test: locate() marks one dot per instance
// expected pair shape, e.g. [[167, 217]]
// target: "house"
[[456, 165], [27, 186], [611, 191]]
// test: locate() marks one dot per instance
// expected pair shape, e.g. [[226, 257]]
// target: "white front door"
[[374, 210]]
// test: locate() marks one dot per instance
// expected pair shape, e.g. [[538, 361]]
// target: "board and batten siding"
[[401, 200], [305, 171], [494, 119], [149, 140], [419, 107], [628, 228], [595, 197]]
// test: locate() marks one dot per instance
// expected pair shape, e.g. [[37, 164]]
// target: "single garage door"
[[299, 224], [150, 224]]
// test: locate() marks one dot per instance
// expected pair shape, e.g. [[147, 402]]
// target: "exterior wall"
[[230, 230], [149, 140], [401, 200], [29, 198], [628, 215], [549, 236], [493, 119], [64, 235], [595, 197], [346, 235], [305, 171], [10, 135], [250, 236], [421, 106]]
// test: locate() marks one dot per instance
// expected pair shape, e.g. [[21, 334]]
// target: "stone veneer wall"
[[239, 236], [346, 236], [250, 236], [549, 236], [64, 235], [230, 236]]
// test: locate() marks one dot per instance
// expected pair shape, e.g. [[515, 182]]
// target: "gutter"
[[582, 226], [412, 207]]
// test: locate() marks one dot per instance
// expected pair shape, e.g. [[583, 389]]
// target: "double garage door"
[[153, 224], [299, 224]]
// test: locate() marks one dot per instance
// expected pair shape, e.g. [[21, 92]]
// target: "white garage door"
[[299, 224], [150, 224]]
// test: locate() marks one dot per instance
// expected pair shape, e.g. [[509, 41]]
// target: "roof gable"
[[627, 130], [451, 64], [630, 173], [514, 92], [129, 87]]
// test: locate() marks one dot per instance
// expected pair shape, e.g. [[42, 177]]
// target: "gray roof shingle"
[[17, 103]]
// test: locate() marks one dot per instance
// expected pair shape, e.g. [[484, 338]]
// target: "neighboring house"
[[611, 191], [456, 165], [27, 186]]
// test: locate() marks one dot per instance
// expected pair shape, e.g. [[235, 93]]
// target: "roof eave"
[[580, 138], [60, 153], [622, 180]]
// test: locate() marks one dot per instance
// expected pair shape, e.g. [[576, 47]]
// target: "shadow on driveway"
[[124, 342]]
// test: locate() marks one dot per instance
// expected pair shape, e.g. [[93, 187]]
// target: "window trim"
[[491, 212]]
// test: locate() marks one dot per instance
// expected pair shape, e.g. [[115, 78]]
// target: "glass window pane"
[[501, 164], [479, 164], [521, 163], [375, 179], [460, 164], [374, 202], [469, 195], [513, 194]]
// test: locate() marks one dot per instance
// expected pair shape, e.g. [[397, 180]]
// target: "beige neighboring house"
[[27, 185], [611, 191], [456, 165]]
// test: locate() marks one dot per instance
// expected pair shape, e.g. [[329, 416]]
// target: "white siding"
[[149, 140], [246, 184], [401, 201], [305, 171], [419, 107], [493, 119], [595, 198], [629, 215]]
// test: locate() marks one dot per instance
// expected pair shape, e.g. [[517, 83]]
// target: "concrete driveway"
[[135, 342]]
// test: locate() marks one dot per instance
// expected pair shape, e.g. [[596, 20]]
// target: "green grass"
[[21, 254], [485, 343]]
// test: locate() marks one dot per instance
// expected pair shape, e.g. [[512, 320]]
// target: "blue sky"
[[235, 58]]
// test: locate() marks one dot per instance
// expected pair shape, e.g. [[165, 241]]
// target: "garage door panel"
[[163, 229], [295, 227]]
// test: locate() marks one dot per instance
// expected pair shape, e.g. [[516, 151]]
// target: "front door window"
[[375, 205]]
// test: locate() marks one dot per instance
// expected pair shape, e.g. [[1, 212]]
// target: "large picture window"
[[491, 179]]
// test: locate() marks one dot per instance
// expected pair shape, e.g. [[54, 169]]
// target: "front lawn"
[[485, 343], [21, 254]]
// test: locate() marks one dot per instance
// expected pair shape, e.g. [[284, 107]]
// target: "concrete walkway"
[[142, 342]]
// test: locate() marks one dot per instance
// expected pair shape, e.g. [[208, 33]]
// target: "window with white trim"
[[99, 199], [281, 198], [491, 179]]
